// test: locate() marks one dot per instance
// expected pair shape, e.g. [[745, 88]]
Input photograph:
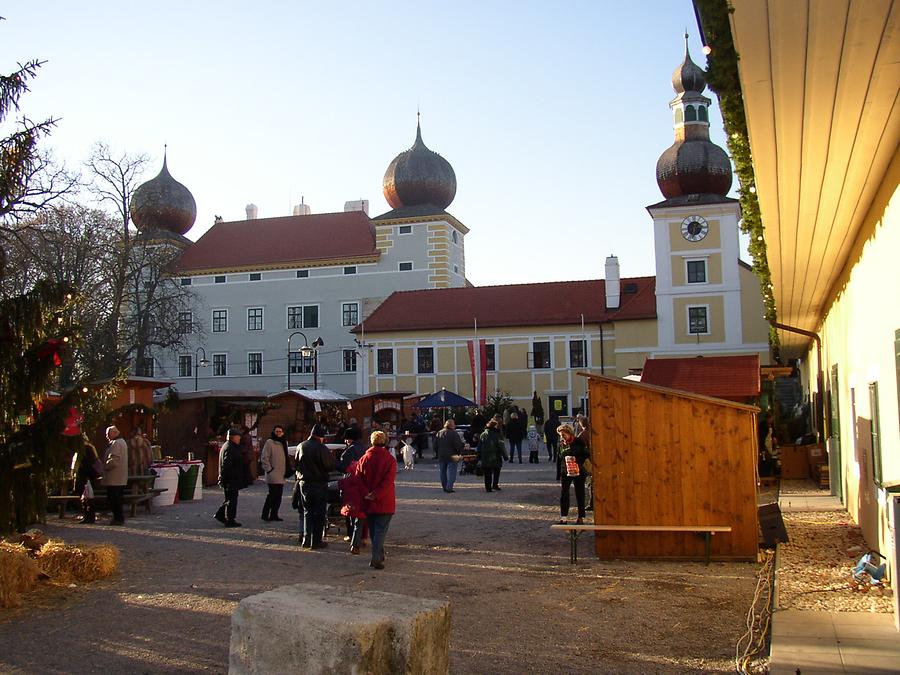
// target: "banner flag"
[[478, 360]]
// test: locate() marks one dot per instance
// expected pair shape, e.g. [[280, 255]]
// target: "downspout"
[[602, 361], [820, 375]]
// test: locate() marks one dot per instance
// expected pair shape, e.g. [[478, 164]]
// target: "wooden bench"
[[574, 531], [138, 492]]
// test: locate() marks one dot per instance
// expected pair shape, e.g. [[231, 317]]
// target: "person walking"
[[274, 459], [515, 433], [448, 443], [378, 470], [314, 461], [492, 452], [572, 455], [232, 478], [115, 473]]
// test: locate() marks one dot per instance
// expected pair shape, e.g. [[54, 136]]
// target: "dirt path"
[[517, 604]]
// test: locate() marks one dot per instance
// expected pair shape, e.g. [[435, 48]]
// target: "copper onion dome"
[[693, 164], [419, 176], [162, 203]]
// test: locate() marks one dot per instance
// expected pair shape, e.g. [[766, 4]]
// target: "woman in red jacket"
[[377, 469]]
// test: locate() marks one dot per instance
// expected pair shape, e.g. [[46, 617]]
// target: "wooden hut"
[[663, 457], [131, 409], [298, 409], [381, 407]]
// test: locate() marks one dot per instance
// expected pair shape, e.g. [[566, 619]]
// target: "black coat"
[[231, 466], [314, 461]]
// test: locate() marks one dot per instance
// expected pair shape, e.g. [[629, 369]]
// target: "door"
[[834, 442]]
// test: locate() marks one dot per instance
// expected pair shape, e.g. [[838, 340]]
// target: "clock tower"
[[700, 305]]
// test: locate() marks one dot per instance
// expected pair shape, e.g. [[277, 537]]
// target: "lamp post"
[[202, 363], [318, 342], [305, 350]]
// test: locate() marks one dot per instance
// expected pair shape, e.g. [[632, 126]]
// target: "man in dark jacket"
[[552, 436], [448, 443], [314, 461], [231, 478]]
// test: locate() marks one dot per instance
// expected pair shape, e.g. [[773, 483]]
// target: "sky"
[[552, 114]]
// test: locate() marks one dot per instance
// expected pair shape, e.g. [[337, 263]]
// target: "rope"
[[752, 643]]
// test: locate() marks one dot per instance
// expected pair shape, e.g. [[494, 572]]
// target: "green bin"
[[187, 481]]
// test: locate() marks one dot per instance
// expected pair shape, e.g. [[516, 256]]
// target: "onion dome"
[[419, 176], [693, 164], [162, 203]]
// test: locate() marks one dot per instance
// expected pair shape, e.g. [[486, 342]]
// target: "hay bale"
[[18, 574], [87, 562]]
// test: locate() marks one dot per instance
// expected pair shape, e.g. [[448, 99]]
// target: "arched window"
[[701, 114], [679, 116], [690, 114], [455, 237]]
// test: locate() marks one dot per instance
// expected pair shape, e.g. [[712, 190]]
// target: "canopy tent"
[[445, 399]]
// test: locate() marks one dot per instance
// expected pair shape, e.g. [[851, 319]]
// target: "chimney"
[[252, 211], [302, 209], [613, 287], [357, 205]]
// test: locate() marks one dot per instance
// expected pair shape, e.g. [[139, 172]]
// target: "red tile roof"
[[735, 378], [281, 241], [554, 303]]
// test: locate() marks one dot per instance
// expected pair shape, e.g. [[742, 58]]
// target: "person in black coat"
[[90, 469], [232, 477], [515, 434], [314, 462], [552, 436]]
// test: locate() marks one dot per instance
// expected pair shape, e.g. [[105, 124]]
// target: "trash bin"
[[187, 481], [166, 478]]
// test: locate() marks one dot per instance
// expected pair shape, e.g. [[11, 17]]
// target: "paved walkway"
[[831, 642]]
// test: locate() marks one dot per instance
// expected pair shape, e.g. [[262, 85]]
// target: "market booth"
[[297, 410], [381, 407], [664, 457]]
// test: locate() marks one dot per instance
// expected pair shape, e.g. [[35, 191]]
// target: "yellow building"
[[819, 83]]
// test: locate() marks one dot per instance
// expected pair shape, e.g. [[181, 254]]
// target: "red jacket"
[[378, 469], [353, 493]]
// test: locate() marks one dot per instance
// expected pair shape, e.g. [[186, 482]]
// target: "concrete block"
[[316, 629]]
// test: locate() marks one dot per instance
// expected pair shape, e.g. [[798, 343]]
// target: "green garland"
[[723, 78]]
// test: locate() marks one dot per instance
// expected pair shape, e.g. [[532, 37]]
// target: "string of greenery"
[[723, 78]]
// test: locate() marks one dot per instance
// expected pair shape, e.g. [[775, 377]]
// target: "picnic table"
[[139, 490]]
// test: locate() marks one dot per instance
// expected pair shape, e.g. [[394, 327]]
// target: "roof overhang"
[[820, 83]]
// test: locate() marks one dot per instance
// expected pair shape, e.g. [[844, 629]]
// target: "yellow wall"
[[635, 334], [713, 269], [755, 327], [715, 318], [712, 240]]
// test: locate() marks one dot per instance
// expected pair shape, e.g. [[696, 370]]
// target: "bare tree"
[[114, 178]]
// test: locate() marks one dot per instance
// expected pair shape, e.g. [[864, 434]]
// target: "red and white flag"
[[478, 359]]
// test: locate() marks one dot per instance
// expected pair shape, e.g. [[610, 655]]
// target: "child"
[[534, 445], [408, 452]]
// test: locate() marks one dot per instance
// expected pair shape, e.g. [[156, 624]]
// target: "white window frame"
[[393, 372], [190, 358], [190, 323], [212, 324], [433, 370], [405, 262], [352, 270], [344, 361], [224, 362], [454, 237], [687, 278], [341, 317], [302, 274], [223, 277], [401, 228], [249, 369], [262, 319], [302, 326], [687, 317]]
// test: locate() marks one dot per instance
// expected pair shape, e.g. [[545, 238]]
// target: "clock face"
[[694, 228]]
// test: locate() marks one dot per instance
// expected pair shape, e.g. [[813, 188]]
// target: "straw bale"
[[86, 562], [18, 574]]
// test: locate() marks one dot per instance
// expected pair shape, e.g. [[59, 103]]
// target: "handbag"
[[88, 492], [296, 499]]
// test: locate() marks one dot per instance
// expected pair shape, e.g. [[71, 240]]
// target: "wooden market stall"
[[381, 407], [298, 409], [663, 457]]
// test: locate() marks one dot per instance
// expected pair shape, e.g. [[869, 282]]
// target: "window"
[[456, 269], [385, 361], [696, 271], [303, 316], [455, 237], [255, 318], [299, 363], [254, 363], [349, 313], [405, 229], [425, 359], [349, 360], [186, 281], [220, 279], [490, 360], [875, 433], [350, 270], [405, 266], [220, 365], [690, 114], [185, 365], [701, 114], [302, 274], [185, 322], [147, 367], [220, 321], [698, 323], [255, 276], [576, 354], [541, 355]]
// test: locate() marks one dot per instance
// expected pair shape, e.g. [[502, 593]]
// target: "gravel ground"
[[517, 604], [814, 567]]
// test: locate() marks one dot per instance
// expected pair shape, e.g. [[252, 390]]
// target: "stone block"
[[316, 629]]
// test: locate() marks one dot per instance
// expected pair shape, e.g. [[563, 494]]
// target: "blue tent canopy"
[[445, 399]]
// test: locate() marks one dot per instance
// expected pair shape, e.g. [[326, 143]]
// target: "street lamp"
[[305, 350], [202, 363], [318, 342]]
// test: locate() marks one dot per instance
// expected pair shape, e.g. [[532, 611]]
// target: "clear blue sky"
[[553, 114]]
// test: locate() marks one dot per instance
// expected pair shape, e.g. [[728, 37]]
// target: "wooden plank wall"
[[661, 457]]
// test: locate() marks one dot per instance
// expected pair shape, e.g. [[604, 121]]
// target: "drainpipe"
[[602, 362], [820, 376]]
